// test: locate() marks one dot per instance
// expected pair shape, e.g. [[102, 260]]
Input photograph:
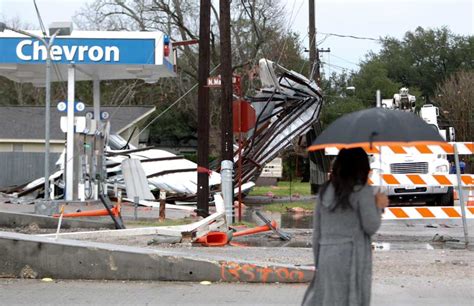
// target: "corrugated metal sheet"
[[136, 182], [22, 167]]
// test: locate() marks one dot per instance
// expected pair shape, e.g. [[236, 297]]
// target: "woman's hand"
[[381, 200]]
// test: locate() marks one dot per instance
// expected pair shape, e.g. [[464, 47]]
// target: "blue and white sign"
[[79, 51], [78, 106], [103, 115], [120, 55]]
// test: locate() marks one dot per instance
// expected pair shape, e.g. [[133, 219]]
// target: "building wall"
[[30, 147], [18, 168]]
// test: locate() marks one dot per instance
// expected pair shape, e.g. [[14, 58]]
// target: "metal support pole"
[[96, 98], [135, 207], [378, 99], [69, 164], [461, 195], [47, 120], [227, 169], [47, 123]]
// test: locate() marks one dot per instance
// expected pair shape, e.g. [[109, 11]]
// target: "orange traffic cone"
[[255, 230], [213, 239]]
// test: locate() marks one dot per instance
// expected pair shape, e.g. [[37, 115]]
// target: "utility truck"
[[413, 163]]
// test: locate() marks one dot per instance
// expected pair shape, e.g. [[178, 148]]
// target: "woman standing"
[[347, 215]]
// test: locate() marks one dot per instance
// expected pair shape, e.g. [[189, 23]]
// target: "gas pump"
[[90, 135]]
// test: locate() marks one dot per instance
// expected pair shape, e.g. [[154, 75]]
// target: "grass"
[[166, 222], [283, 207], [283, 189], [245, 223]]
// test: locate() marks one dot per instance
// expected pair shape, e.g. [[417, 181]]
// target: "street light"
[[55, 29]]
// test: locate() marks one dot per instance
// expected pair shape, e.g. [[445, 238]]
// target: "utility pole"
[[315, 63], [313, 51], [203, 108], [318, 162], [226, 79], [227, 148]]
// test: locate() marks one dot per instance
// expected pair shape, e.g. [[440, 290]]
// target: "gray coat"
[[342, 250]]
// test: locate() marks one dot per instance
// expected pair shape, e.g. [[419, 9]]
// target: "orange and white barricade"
[[464, 148], [416, 180], [414, 213]]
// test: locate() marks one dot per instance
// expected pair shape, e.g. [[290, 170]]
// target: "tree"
[[373, 76], [456, 98], [257, 31], [424, 58]]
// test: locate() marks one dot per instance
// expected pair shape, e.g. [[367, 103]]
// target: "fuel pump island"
[[84, 56]]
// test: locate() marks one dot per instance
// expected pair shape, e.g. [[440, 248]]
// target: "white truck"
[[415, 163]]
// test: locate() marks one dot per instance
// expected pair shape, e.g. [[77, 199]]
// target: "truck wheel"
[[446, 199]]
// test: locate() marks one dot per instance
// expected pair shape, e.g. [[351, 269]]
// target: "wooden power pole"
[[203, 108], [313, 51], [227, 150]]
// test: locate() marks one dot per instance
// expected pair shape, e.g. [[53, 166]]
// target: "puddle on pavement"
[[272, 243], [284, 220], [377, 246], [408, 246]]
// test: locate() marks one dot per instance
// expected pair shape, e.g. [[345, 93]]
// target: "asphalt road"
[[36, 292]]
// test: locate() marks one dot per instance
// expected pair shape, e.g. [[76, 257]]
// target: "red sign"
[[244, 115]]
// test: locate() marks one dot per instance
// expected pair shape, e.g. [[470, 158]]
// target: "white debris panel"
[[164, 170]]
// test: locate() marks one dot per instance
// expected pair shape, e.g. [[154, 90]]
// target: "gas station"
[[83, 56]]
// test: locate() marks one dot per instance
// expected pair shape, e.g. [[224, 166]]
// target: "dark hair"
[[350, 168]]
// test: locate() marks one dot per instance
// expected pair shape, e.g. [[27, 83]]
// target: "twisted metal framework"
[[287, 105]]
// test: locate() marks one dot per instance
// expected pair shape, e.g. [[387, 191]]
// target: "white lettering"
[[37, 51], [56, 52], [96, 53], [82, 50], [70, 53], [19, 50], [37, 48], [109, 51]]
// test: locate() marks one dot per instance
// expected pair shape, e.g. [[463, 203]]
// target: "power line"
[[352, 36], [336, 66], [171, 106], [345, 60]]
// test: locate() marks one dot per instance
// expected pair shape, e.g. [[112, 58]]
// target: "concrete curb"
[[10, 219], [37, 257]]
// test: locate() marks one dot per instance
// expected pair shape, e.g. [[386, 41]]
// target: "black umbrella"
[[377, 127]]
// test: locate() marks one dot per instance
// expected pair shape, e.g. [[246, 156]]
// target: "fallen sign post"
[[283, 236], [117, 219]]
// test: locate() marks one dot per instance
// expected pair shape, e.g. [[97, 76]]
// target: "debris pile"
[[286, 107]]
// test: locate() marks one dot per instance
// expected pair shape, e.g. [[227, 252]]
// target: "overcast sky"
[[367, 18]]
